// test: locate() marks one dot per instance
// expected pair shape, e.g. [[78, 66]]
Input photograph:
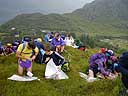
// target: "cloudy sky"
[[11, 8]]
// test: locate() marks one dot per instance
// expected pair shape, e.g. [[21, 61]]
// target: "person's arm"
[[62, 42], [61, 58], [100, 65], [36, 50], [45, 59], [52, 43], [18, 55], [11, 49]]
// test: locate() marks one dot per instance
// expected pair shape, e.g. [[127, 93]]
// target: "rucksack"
[[24, 45]]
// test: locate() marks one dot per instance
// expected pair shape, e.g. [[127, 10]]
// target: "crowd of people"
[[104, 64], [28, 50]]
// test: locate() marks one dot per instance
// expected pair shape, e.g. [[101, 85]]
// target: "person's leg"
[[20, 70], [61, 48], [91, 73], [91, 77], [57, 49], [30, 68], [93, 70]]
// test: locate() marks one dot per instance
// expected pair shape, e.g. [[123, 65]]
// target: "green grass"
[[74, 86]]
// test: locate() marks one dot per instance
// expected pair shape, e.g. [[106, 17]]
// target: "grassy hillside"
[[29, 23], [74, 86]]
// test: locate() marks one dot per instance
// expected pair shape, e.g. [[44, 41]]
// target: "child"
[[24, 53], [54, 61], [57, 58]]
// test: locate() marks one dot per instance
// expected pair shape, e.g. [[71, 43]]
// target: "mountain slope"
[[102, 17], [104, 10], [37, 21]]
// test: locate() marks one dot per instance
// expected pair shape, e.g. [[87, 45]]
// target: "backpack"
[[24, 45]]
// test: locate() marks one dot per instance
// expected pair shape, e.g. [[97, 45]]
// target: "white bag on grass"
[[54, 72], [22, 78]]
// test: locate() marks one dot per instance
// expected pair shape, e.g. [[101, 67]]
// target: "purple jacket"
[[98, 59], [56, 42]]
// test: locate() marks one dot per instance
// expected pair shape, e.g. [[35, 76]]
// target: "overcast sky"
[[10, 8]]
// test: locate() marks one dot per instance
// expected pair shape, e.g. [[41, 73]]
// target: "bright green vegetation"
[[74, 86], [102, 19]]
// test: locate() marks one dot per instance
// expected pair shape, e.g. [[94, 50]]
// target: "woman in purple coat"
[[57, 43], [97, 65]]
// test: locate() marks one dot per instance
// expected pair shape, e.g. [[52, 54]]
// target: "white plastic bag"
[[54, 72], [22, 78]]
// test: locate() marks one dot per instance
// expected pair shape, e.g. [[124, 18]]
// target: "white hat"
[[110, 51]]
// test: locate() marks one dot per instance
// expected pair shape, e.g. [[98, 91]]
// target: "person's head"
[[57, 36], [9, 45], [31, 45], [111, 52], [47, 50], [27, 39], [102, 50], [39, 40]]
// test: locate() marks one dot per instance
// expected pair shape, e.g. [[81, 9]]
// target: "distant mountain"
[[98, 17], [104, 10], [39, 21]]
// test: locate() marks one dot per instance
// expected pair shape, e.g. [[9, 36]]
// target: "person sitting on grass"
[[25, 55], [69, 41], [54, 63], [8, 49], [57, 58], [57, 43], [97, 65], [111, 61]]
